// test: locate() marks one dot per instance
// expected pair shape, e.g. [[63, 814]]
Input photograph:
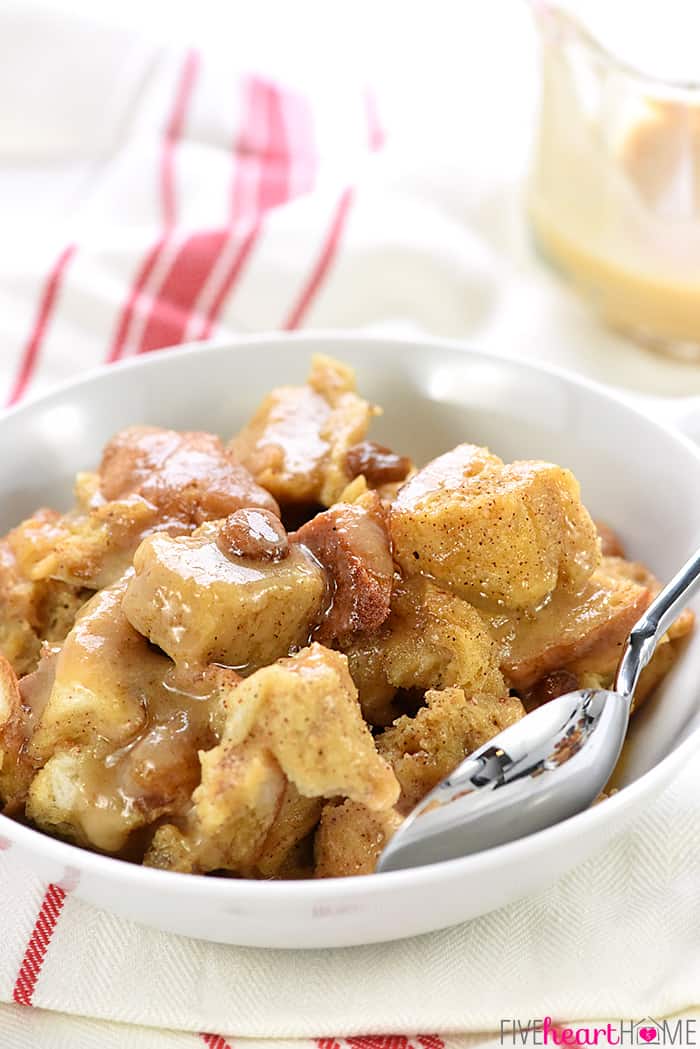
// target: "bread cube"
[[293, 734], [297, 442], [506, 534], [574, 630], [433, 639], [19, 640], [295, 820], [16, 770], [201, 606], [65, 799], [150, 480], [103, 675], [187, 476], [353, 545], [305, 710], [422, 750], [600, 659], [350, 839]]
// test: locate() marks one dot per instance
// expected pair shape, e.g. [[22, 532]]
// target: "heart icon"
[[647, 1033]]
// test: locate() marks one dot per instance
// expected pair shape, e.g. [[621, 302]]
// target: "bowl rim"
[[323, 890]]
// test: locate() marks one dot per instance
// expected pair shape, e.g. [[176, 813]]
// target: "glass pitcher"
[[614, 197]]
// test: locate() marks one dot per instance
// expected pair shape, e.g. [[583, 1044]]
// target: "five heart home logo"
[[545, 1032]]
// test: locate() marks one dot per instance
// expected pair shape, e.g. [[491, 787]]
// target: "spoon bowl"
[[543, 769]]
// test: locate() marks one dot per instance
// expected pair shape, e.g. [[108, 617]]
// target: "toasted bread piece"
[[293, 733], [571, 627], [189, 477], [432, 640], [171, 850], [149, 480], [619, 568], [350, 838], [32, 611], [104, 672], [232, 819], [15, 770], [353, 545], [83, 549], [305, 710], [117, 747], [509, 534], [297, 442], [202, 605], [296, 818], [10, 700], [236, 804], [63, 800], [19, 637], [422, 750], [99, 799]]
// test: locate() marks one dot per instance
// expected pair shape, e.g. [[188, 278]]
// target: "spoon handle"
[[648, 631]]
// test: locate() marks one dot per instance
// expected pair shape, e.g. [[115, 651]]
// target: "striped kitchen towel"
[[183, 198], [163, 196]]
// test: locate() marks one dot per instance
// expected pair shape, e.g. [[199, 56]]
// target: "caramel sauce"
[[187, 476], [147, 720], [35, 689], [564, 613], [294, 426], [201, 560]]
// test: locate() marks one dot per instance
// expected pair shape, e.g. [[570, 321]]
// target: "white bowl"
[[640, 477]]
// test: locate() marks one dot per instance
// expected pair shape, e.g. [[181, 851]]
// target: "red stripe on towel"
[[273, 188], [173, 132], [383, 1041], [38, 944], [376, 139], [261, 181], [177, 300], [214, 1041], [376, 135], [171, 310], [324, 262], [379, 1041], [287, 143], [137, 287], [236, 268], [30, 356], [302, 134]]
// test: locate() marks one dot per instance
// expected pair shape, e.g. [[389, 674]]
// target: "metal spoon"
[[548, 766]]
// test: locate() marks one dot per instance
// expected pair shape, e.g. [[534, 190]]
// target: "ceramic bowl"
[[638, 475]]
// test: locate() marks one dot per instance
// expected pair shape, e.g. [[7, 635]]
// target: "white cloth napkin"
[[618, 937], [150, 195]]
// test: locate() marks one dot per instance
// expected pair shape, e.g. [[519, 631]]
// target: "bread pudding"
[[254, 658]]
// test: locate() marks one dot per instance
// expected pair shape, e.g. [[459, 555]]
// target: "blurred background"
[[438, 237]]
